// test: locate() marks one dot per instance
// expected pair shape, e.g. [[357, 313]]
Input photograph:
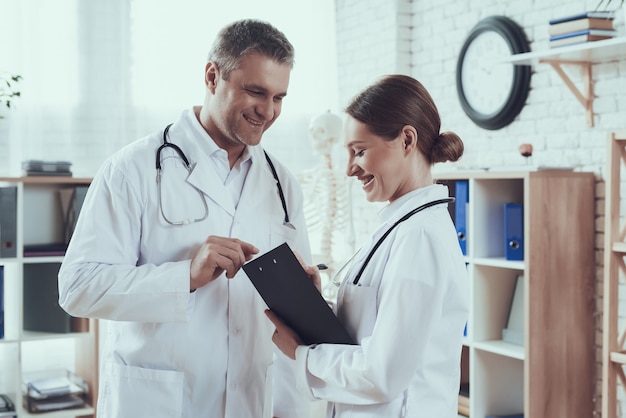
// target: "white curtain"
[[100, 74]]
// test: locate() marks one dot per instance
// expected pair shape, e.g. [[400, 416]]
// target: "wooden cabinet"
[[553, 373], [30, 278]]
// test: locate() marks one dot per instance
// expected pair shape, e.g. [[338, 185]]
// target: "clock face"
[[487, 83], [491, 90]]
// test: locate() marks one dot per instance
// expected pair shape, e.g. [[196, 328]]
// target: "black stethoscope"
[[355, 281], [182, 156]]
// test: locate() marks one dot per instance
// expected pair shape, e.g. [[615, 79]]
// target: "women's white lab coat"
[[168, 352], [407, 313]]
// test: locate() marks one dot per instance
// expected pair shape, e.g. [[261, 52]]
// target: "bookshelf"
[[553, 373], [25, 349], [582, 55]]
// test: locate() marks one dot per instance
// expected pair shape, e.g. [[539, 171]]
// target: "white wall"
[[371, 42]]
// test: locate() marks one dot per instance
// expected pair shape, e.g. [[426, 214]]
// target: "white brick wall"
[[552, 120]]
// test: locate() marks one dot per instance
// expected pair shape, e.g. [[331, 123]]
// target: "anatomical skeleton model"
[[327, 201]]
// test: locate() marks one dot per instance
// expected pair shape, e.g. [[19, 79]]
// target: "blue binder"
[[460, 212], [514, 231]]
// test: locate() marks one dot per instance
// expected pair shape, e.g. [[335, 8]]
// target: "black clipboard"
[[289, 292]]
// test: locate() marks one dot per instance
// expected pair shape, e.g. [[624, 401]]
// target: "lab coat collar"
[[197, 145], [259, 177], [401, 206]]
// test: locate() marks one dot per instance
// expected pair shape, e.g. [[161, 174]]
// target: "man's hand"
[[284, 337], [216, 255]]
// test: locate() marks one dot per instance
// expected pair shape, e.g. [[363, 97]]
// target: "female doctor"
[[407, 305]]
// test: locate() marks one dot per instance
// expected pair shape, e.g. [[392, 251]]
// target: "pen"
[[322, 267]]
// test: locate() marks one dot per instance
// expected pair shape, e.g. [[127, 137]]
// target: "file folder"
[[78, 197], [41, 300], [514, 231], [71, 204], [460, 212], [514, 331], [289, 292], [8, 222]]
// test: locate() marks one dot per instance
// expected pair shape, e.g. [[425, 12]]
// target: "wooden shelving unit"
[[614, 335], [552, 374], [39, 221]]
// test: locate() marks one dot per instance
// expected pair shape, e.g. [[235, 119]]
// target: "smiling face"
[[386, 168], [238, 110]]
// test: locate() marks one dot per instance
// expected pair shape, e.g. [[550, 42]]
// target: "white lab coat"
[[407, 314], [168, 352]]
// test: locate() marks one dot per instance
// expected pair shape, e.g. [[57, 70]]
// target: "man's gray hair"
[[247, 36]]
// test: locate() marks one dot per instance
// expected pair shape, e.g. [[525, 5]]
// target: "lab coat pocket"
[[281, 233], [357, 310], [140, 392]]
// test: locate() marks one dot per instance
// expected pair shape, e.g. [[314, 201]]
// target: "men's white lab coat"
[[408, 313], [168, 352]]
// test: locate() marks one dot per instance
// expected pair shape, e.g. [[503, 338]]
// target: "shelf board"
[[46, 180], [583, 55], [43, 336], [499, 262], [42, 259], [589, 52], [619, 247], [63, 413], [618, 357], [501, 347]]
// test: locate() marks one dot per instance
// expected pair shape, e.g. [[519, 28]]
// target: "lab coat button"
[[233, 386], [236, 331]]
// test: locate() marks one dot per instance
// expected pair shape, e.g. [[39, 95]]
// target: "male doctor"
[[161, 258]]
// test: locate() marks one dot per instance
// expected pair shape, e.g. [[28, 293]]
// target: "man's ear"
[[211, 76]]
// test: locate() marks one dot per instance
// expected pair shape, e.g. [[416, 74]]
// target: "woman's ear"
[[409, 137]]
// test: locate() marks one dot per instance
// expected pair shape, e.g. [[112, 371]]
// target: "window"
[[98, 75]]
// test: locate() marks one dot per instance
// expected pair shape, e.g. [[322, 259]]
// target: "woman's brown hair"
[[399, 100]]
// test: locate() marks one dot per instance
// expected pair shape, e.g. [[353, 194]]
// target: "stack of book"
[[46, 168], [580, 28]]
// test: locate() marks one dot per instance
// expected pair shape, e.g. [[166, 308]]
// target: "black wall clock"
[[492, 92]]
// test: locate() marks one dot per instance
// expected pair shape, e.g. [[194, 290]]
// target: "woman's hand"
[[284, 337]]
